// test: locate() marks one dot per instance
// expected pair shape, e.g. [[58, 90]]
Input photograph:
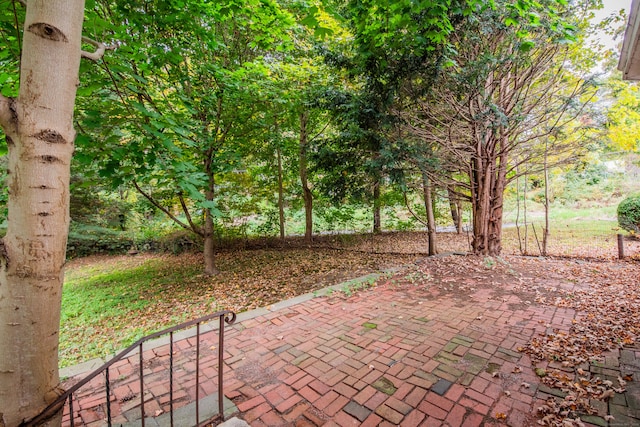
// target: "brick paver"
[[395, 354]]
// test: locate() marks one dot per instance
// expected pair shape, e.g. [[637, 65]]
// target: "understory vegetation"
[[583, 203]]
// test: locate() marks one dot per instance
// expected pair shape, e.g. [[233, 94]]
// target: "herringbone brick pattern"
[[401, 353]]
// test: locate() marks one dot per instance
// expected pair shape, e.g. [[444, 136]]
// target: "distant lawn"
[[582, 232]]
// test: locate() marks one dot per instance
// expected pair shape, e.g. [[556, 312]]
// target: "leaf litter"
[[607, 305], [602, 293]]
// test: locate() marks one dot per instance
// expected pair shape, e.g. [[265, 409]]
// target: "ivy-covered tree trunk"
[[40, 137], [304, 179]]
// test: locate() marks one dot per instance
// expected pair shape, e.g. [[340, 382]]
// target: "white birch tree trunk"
[[40, 136]]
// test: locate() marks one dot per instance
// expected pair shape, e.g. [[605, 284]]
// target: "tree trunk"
[[497, 207], [304, 180], [524, 215], [431, 221], [481, 197], [456, 212], [545, 235], [488, 184], [40, 135], [280, 193], [209, 245], [208, 234], [377, 224]]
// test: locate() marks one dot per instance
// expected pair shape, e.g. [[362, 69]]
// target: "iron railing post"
[[142, 414], [225, 316], [107, 387], [198, 374], [171, 378], [71, 410], [220, 367]]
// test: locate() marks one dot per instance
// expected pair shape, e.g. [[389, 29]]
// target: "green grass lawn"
[[118, 298]]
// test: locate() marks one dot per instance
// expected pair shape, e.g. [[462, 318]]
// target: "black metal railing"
[[67, 397]]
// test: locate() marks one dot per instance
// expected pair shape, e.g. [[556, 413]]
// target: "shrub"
[[178, 242], [629, 214], [87, 240]]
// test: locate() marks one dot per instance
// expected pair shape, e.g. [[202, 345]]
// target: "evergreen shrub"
[[629, 214]]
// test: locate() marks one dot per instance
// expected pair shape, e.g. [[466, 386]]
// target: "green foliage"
[[91, 206], [586, 183], [269, 226], [11, 19], [87, 240], [181, 101], [392, 220], [342, 218], [629, 214], [590, 174]]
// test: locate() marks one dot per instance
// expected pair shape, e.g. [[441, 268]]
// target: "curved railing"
[[67, 397]]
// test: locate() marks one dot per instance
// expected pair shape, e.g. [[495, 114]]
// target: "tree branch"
[[101, 48], [406, 203], [165, 210], [185, 209]]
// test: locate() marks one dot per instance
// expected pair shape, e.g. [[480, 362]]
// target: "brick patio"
[[402, 353]]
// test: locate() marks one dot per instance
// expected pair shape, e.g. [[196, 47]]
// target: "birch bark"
[[39, 128]]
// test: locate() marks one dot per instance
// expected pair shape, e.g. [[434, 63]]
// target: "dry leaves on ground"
[[607, 304]]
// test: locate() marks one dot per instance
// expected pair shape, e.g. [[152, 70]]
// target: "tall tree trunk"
[[456, 212], [481, 195], [545, 236], [304, 180], [39, 129], [208, 229], [280, 193], [209, 245], [431, 221], [488, 184], [524, 215], [377, 223], [497, 207]]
